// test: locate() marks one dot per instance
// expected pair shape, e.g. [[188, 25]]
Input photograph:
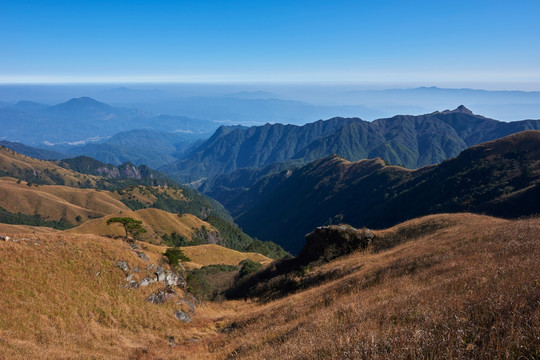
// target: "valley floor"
[[452, 286]]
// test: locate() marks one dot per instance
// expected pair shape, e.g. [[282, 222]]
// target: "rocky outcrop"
[[329, 242], [170, 278], [162, 295], [142, 255]]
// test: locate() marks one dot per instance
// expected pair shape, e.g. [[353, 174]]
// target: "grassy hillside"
[[465, 288], [41, 172], [127, 179], [203, 255], [54, 202], [156, 222], [62, 298]]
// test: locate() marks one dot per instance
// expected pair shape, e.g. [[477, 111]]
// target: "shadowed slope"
[[501, 177]]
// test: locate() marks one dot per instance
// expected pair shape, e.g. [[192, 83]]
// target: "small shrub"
[[248, 267], [175, 255]]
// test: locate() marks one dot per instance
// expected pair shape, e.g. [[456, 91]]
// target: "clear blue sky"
[[326, 41]]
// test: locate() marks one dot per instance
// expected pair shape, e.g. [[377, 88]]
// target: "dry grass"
[[62, 298], [53, 202], [26, 229], [468, 288], [143, 195], [202, 255], [18, 165], [156, 222]]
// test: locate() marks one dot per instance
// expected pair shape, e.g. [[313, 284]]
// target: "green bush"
[[175, 240], [175, 255], [209, 282], [248, 267]]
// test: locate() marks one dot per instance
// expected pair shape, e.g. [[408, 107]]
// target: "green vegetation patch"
[[209, 282], [174, 255]]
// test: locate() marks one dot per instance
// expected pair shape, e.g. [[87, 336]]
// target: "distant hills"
[[286, 103], [409, 141], [81, 120], [254, 108], [500, 178]]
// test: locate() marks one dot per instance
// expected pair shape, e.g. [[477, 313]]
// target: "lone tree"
[[131, 226]]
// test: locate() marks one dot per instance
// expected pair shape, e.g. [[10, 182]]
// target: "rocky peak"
[[461, 109]]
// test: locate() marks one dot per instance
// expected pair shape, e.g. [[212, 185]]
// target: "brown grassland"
[[210, 254], [156, 222], [45, 172], [53, 202], [144, 196], [467, 288]]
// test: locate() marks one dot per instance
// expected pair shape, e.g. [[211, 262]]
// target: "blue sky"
[[426, 42]]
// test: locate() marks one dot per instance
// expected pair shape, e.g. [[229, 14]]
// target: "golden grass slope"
[[10, 229], [62, 298], [145, 196], [54, 202], [21, 166], [202, 255], [468, 287], [157, 222]]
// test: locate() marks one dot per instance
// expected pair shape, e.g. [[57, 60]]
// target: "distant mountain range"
[[500, 178], [254, 109], [81, 120], [409, 141], [284, 103]]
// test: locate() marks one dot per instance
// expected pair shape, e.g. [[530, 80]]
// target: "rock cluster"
[[171, 279]]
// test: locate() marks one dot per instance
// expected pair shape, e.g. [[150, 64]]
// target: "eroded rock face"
[[329, 242]]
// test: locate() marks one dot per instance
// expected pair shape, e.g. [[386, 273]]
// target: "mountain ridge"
[[411, 141]]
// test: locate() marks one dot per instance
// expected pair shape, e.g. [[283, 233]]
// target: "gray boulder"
[[123, 266], [182, 316], [142, 255], [161, 296], [146, 281], [175, 279]]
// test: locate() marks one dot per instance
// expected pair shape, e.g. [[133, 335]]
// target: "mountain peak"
[[84, 100], [81, 102], [461, 109]]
